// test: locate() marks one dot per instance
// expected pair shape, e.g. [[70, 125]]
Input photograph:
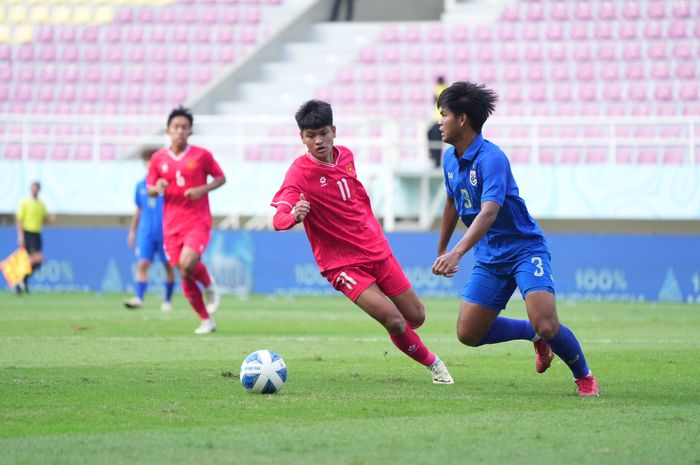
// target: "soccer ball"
[[263, 372]]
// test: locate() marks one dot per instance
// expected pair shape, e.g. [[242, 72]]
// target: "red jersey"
[[341, 227], [187, 170]]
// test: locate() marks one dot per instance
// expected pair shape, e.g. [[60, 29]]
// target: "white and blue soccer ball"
[[263, 372]]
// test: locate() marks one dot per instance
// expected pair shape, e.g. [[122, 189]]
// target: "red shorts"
[[196, 239], [352, 280]]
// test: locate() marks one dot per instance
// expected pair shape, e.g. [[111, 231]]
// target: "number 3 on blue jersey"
[[537, 261], [467, 200]]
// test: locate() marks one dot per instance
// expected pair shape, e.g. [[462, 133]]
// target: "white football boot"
[[440, 373], [134, 303], [206, 326], [166, 306]]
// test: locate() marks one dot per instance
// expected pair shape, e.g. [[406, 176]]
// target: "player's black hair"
[[180, 111], [474, 100], [37, 184], [147, 152], [314, 114]]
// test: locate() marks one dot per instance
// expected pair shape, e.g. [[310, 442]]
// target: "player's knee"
[[185, 273], [547, 327], [395, 324], [417, 317], [469, 337]]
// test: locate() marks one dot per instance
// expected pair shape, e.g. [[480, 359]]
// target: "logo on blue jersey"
[[472, 177]]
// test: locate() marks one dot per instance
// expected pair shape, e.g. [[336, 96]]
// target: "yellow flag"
[[16, 266]]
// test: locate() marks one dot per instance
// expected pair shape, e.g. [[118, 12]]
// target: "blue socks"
[[564, 344], [141, 289], [169, 291], [567, 348], [508, 329]]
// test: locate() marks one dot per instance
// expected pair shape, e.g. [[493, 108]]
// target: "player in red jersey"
[[321, 190], [181, 173]]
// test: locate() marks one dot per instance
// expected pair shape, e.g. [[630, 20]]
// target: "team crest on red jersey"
[[191, 165], [349, 168], [164, 168]]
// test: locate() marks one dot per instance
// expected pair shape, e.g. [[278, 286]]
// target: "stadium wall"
[[621, 267], [639, 192]]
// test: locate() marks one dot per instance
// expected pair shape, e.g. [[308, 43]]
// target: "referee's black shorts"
[[32, 242]]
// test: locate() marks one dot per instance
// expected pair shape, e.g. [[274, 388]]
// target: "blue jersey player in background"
[[146, 236], [509, 248]]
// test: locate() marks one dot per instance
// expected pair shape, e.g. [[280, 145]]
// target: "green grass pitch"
[[84, 381]]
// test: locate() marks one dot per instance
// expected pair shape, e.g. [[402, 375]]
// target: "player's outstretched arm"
[[286, 217]]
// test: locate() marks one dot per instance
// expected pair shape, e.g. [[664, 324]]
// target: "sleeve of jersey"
[[152, 175], [214, 170], [284, 201], [494, 173], [137, 197]]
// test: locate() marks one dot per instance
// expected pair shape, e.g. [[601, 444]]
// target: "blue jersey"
[[151, 221], [483, 174]]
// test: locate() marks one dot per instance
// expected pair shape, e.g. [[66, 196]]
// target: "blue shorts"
[[491, 286], [147, 248]]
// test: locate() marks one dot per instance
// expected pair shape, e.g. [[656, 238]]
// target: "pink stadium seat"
[[657, 50], [182, 75], [688, 91], [437, 54], [67, 34], [252, 17], [5, 52], [627, 30], [115, 74], [90, 94], [559, 72], [461, 54], [530, 32], [367, 55], [514, 94], [603, 31], [677, 30], [533, 52], [436, 34], [555, 31], [159, 54], [249, 35], [137, 55], [547, 155], [45, 35], [484, 53], [652, 30], [535, 73], [459, 34], [230, 16], [648, 155], [389, 34], [70, 74], [637, 91], [25, 53], [682, 50], [509, 53], [510, 12], [631, 10], [5, 73], [92, 53], [571, 155], [606, 10], [663, 92], [487, 73], [609, 71], [412, 34], [634, 71], [83, 152], [226, 55], [656, 10], [135, 35], [582, 52], [158, 74], [113, 34], [124, 15], [535, 12], [147, 16], [46, 93], [181, 55], [415, 74], [26, 74], [60, 152], [585, 72], [606, 52], [673, 156], [578, 31], [156, 95], [557, 52], [225, 36], [538, 92], [587, 92], [660, 70], [37, 152], [506, 33], [612, 92], [394, 95], [685, 70], [681, 9], [623, 155], [512, 73], [47, 53], [158, 35], [583, 11], [596, 155], [519, 155], [390, 54], [559, 11], [13, 152], [483, 34], [414, 55], [562, 93]]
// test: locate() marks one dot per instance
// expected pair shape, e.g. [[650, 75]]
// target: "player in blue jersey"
[[509, 248], [146, 235]]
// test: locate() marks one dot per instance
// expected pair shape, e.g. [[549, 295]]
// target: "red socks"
[[194, 295], [201, 274], [410, 344]]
